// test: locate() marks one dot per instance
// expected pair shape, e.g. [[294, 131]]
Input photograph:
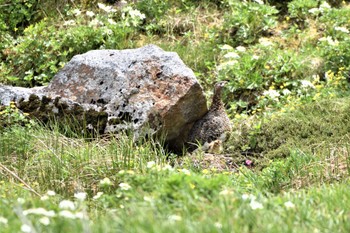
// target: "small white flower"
[[226, 47], [151, 164], [90, 13], [255, 205], [76, 12], [185, 171], [231, 55], [260, 2], [26, 228], [3, 220], [226, 192], [51, 193], [325, 5], [45, 221], [273, 94], [20, 201], [286, 92], [148, 199], [248, 197], [40, 211], [124, 186], [307, 84], [265, 42], [95, 22], [241, 49], [255, 57], [106, 181], [81, 196], [329, 40], [289, 205], [67, 214], [218, 225], [314, 11], [44, 198], [69, 23], [111, 21], [66, 204], [107, 9], [167, 167], [97, 196], [342, 29], [80, 215], [174, 218]]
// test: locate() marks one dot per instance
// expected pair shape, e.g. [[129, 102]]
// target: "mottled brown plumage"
[[215, 124]]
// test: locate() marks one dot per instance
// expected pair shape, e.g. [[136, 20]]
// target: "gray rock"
[[136, 89]]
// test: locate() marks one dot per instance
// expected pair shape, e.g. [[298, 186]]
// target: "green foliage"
[[43, 50], [246, 22], [299, 9]]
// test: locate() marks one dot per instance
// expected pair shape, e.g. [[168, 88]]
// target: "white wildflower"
[[306, 84], [107, 9], [218, 225], [265, 42], [226, 192], [81, 196], [124, 186], [105, 182], [314, 11], [255, 205], [226, 47], [260, 2], [185, 171], [136, 14], [273, 94], [329, 40], [66, 204], [40, 211], [286, 92], [289, 205], [44, 198], [255, 57], [26, 228], [241, 49], [97, 196], [231, 55], [80, 215], [67, 214], [95, 22], [342, 29], [151, 164], [20, 201], [50, 193], [90, 13], [174, 218], [167, 167], [111, 21], [3, 220], [45, 221], [69, 23], [325, 5], [148, 199], [76, 12], [248, 197]]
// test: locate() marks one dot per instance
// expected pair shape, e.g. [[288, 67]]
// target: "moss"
[[305, 128]]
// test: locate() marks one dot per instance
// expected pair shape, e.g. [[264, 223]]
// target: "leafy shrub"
[[299, 9], [264, 74], [245, 22], [45, 47]]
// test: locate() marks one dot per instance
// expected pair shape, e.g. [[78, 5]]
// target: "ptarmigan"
[[215, 125]]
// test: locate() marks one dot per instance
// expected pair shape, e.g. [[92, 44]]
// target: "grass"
[[131, 187]]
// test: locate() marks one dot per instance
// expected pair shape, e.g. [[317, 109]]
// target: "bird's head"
[[219, 85]]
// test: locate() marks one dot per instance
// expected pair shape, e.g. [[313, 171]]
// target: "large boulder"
[[134, 89]]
